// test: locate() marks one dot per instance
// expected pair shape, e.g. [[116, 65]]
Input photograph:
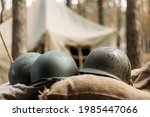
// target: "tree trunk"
[[19, 41], [118, 23], [79, 7], [100, 11], [3, 8], [68, 3], [133, 33], [149, 23]]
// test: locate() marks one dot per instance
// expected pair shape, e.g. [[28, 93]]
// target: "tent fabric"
[[64, 26], [68, 28]]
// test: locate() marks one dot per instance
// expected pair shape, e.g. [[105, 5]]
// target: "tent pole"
[[80, 57]]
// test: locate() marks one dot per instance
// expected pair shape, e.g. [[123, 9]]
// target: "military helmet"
[[107, 61], [54, 63], [19, 71]]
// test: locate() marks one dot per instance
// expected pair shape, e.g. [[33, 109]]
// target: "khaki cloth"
[[141, 78], [18, 92], [91, 87]]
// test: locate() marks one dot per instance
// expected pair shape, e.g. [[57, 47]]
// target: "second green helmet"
[[54, 63]]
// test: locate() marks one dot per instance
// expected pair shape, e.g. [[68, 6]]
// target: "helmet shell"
[[54, 63], [19, 71], [108, 61]]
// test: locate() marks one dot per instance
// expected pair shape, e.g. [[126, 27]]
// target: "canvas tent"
[[64, 27], [68, 30]]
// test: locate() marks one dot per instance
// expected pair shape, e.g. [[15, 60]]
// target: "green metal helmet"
[[54, 63], [19, 71], [108, 61]]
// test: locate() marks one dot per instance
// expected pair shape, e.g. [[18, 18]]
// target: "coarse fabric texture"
[[23, 92], [141, 78], [91, 87], [18, 92]]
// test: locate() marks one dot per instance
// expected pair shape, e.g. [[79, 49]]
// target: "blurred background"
[[74, 26]]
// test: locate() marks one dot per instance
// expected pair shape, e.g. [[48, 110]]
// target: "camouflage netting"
[[84, 87]]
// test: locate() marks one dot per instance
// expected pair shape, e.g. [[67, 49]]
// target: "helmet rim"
[[97, 72]]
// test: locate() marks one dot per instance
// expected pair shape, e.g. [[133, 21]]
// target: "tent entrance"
[[79, 54]]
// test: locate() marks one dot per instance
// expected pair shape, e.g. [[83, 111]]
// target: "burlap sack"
[[91, 87]]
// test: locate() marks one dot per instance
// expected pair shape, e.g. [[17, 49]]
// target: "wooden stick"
[[9, 55]]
